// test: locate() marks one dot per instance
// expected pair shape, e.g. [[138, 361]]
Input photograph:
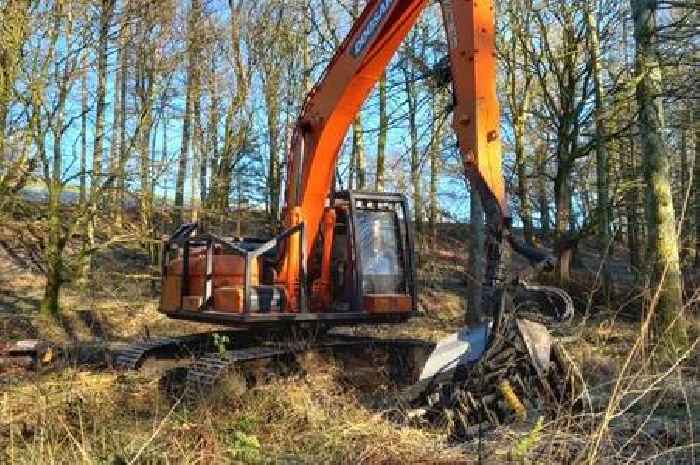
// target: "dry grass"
[[641, 411]]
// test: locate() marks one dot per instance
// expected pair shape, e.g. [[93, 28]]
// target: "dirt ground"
[[641, 409]]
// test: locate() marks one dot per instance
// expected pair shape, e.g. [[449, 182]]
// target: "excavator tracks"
[[401, 358], [134, 355]]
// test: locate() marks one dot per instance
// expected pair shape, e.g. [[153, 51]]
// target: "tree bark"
[[412, 100], [272, 102], [144, 83], [668, 323], [107, 9], [187, 117], [123, 156], [358, 152], [602, 164], [14, 20], [114, 151], [562, 205], [435, 162], [382, 135], [83, 130], [542, 196]]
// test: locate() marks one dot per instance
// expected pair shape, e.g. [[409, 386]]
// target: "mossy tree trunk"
[[668, 326]]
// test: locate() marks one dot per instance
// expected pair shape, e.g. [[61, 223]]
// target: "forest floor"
[[87, 414]]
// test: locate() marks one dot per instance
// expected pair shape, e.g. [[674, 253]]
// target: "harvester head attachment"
[[490, 375]]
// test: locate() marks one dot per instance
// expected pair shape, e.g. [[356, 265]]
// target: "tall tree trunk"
[[83, 130], [212, 147], [84, 261], [183, 160], [542, 196], [272, 102], [632, 202], [114, 151], [668, 323], [198, 170], [683, 194], [382, 135], [55, 245], [521, 168], [144, 82], [107, 9], [435, 162], [187, 117], [602, 165], [631, 173], [412, 100], [123, 156]]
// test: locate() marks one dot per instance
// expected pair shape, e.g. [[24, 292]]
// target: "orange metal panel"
[[229, 299], [387, 303], [471, 31]]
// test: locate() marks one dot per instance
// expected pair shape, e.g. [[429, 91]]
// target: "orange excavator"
[[346, 258]]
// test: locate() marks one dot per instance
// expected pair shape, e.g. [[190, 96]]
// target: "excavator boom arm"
[[352, 74]]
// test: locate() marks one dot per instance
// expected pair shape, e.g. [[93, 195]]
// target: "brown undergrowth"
[[637, 408]]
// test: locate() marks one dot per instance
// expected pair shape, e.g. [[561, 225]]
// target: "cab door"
[[383, 254]]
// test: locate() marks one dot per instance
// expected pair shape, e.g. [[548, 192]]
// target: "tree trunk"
[[14, 19], [196, 83], [183, 160], [542, 196], [123, 156], [562, 205], [84, 260], [83, 130], [602, 165], [114, 151], [668, 323], [358, 152], [521, 167], [382, 135], [187, 117], [632, 201], [212, 147], [412, 99], [50, 303], [272, 101], [107, 8], [435, 162]]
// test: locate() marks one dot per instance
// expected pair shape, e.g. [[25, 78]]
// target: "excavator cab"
[[364, 270], [372, 262]]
